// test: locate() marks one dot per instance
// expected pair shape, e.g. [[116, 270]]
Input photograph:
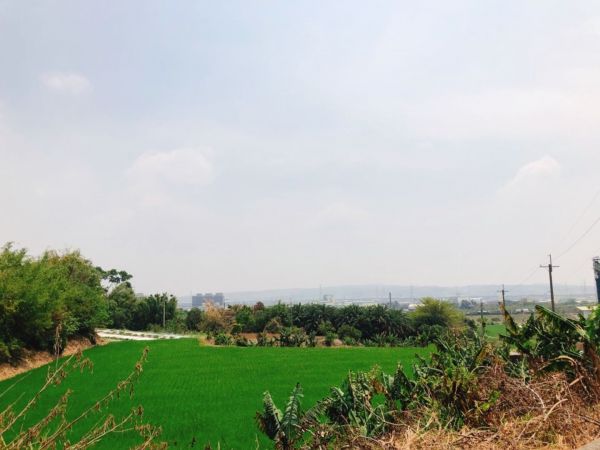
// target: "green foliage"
[[114, 276], [437, 312], [244, 317], [269, 420], [150, 311], [263, 340], [352, 404], [273, 326], [178, 323], [285, 429], [292, 337], [40, 295], [445, 385], [223, 339], [348, 331], [194, 319], [330, 338], [553, 340], [448, 382], [349, 341], [325, 328], [321, 319], [312, 339], [122, 303]]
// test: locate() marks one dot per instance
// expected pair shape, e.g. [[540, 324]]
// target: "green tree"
[[152, 309], [121, 305], [40, 295], [194, 319], [437, 312]]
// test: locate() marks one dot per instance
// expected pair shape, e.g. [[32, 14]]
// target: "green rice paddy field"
[[495, 330], [204, 394]]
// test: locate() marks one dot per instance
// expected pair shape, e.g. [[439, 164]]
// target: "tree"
[[121, 305], [152, 309], [38, 296], [113, 277], [194, 319], [436, 312], [244, 316]]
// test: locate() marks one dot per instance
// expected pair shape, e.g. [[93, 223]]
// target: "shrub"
[[437, 312], [330, 338], [348, 331], [223, 339], [194, 319], [312, 339], [241, 341], [292, 337], [217, 320], [263, 340], [273, 326], [325, 327], [236, 329], [349, 341], [430, 333]]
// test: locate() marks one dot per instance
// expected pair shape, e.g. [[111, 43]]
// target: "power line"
[[579, 239], [585, 233], [583, 213], [528, 277]]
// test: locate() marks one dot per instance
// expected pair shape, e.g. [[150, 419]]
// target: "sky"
[[239, 145]]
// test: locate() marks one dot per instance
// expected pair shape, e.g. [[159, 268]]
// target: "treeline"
[[132, 312], [299, 324], [46, 300]]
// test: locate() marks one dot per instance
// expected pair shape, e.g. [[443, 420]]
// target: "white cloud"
[[535, 172], [66, 82], [157, 176]]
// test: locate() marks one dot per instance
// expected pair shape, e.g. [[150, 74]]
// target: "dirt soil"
[[37, 359]]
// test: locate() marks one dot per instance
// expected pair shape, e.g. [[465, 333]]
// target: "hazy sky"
[[220, 146]]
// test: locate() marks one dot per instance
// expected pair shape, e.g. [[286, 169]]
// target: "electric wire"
[[579, 239], [583, 213]]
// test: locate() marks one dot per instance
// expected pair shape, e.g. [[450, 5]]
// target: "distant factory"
[[199, 300]]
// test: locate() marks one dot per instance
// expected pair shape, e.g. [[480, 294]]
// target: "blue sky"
[[247, 145]]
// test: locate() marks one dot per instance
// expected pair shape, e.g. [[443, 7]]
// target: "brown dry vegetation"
[[33, 359], [548, 412]]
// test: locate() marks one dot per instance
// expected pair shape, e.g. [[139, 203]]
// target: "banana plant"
[[555, 341], [286, 428]]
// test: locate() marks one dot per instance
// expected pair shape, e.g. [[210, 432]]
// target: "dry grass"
[[550, 412], [34, 359]]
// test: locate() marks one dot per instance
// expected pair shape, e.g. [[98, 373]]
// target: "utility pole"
[[597, 276], [550, 267], [503, 292], [164, 311], [390, 295], [481, 315]]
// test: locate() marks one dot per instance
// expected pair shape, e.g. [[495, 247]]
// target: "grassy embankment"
[[209, 394]]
